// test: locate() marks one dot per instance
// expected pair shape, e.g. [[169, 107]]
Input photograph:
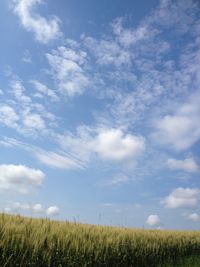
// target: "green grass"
[[42, 243], [188, 262]]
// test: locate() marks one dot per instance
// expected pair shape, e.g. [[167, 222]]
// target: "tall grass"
[[41, 243]]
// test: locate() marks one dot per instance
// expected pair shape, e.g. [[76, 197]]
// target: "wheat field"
[[41, 243]]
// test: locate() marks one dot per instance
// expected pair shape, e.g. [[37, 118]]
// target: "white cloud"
[[18, 90], [18, 207], [187, 164], [182, 198], [39, 209], [113, 144], [32, 121], [53, 159], [175, 14], [141, 52], [118, 180], [153, 220], [25, 115], [182, 129], [108, 52], [44, 29], [124, 46], [9, 142], [108, 144], [45, 91], [19, 177], [56, 160], [8, 116], [27, 56], [68, 69], [1, 92], [194, 217], [128, 37], [52, 211]]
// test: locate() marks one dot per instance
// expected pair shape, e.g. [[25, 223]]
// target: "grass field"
[[41, 243]]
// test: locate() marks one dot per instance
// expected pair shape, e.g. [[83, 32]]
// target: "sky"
[[100, 111]]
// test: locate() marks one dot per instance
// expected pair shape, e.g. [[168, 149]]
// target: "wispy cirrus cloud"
[[127, 37], [23, 114], [58, 160], [8, 116], [153, 80], [107, 52], [19, 92], [44, 91], [27, 57], [68, 70], [53, 159], [44, 29], [118, 180]]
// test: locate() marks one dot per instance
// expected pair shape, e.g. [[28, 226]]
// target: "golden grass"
[[41, 242]]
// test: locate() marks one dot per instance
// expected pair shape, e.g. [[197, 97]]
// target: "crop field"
[[41, 243]]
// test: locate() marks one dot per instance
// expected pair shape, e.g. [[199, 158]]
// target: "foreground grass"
[[43, 243], [187, 262]]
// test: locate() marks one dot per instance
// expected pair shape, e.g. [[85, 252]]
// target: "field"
[[41, 243]]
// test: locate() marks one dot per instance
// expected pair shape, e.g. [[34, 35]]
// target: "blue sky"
[[99, 111]]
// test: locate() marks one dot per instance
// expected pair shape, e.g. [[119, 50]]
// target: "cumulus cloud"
[[52, 211], [194, 217], [108, 144], [153, 220], [44, 29], [182, 198], [187, 164], [68, 70], [182, 129], [19, 177], [113, 144], [17, 207], [37, 209]]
